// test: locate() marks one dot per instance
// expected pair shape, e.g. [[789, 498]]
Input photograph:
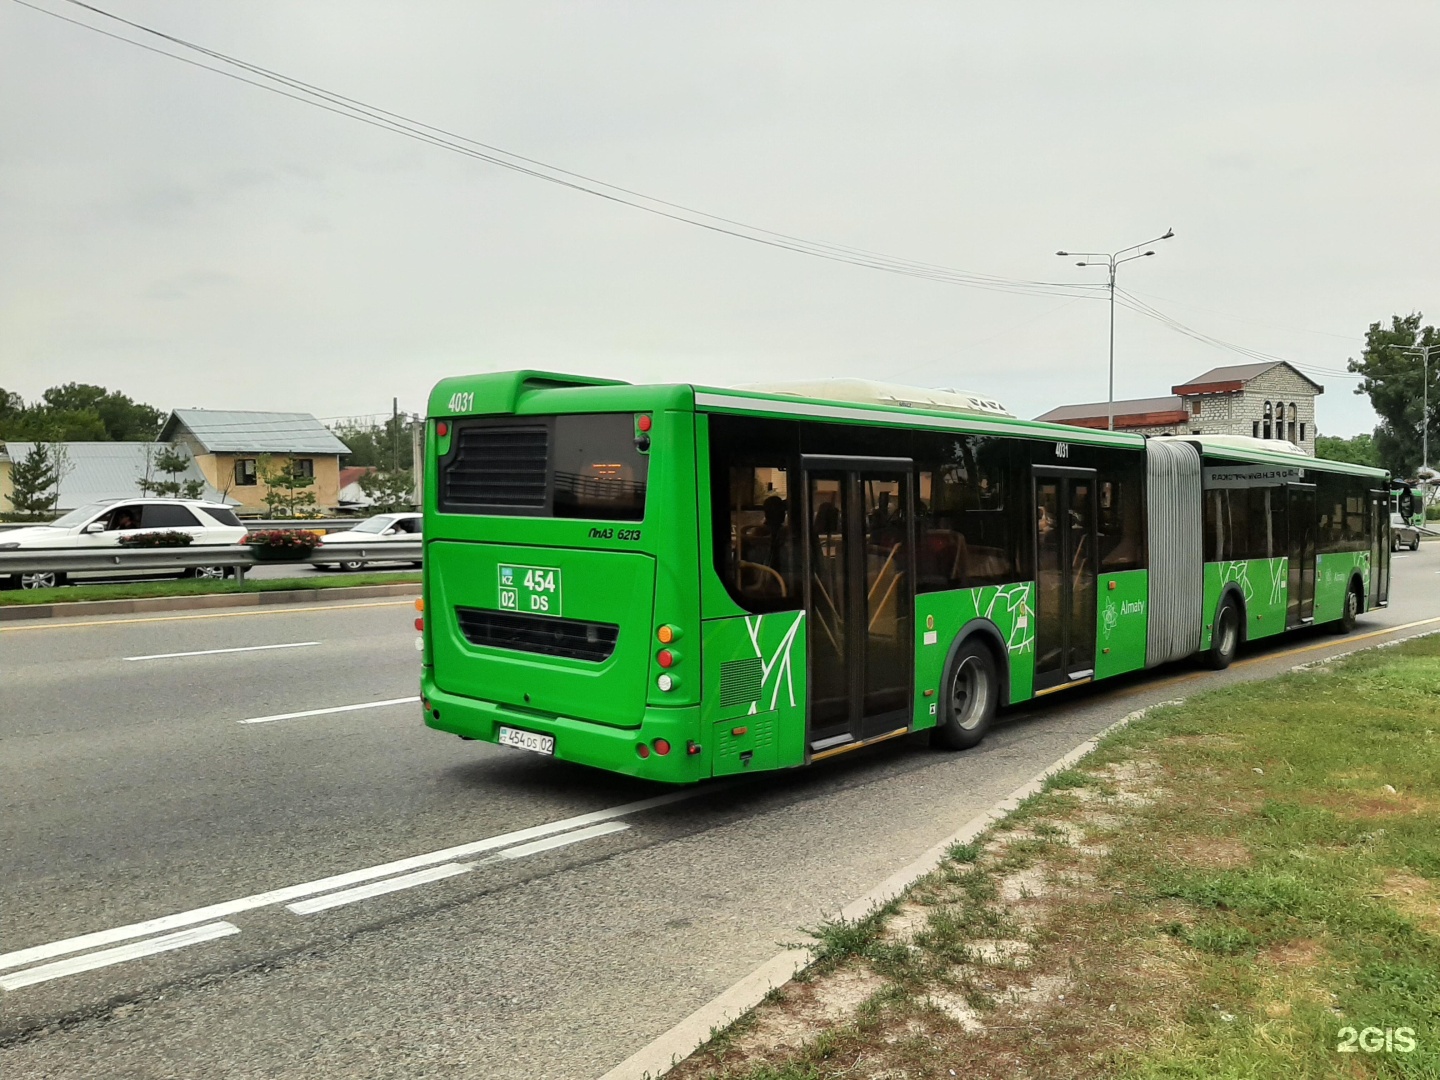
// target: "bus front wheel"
[[972, 691], [1225, 641], [1351, 612]]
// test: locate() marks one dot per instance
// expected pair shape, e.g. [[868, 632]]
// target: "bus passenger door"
[[1065, 578], [859, 599], [1300, 606], [1379, 549]]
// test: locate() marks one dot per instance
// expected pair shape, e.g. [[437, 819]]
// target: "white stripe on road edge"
[[440, 873], [135, 950], [378, 888], [20, 957], [333, 709], [214, 652]]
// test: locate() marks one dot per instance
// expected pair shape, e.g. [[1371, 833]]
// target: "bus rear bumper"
[[581, 741]]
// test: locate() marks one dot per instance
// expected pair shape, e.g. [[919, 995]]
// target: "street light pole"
[[1422, 351], [1111, 260]]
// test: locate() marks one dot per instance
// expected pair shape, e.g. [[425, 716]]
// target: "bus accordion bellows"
[[677, 582]]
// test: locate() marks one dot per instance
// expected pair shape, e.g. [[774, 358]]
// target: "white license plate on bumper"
[[526, 740]]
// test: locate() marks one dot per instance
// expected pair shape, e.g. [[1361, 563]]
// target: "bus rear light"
[[442, 429], [692, 747], [643, 423], [662, 746], [420, 623], [668, 633], [642, 749], [667, 682], [420, 604], [666, 658]]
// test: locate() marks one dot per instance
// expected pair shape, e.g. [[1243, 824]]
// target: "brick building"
[[1266, 400]]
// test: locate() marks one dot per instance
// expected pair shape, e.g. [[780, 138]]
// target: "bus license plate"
[[526, 740]]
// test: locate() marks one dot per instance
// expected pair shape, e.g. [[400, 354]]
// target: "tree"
[[389, 492], [1395, 385], [172, 461], [287, 490], [123, 419], [1359, 450], [382, 446], [35, 481]]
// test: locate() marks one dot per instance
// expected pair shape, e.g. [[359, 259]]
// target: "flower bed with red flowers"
[[281, 544]]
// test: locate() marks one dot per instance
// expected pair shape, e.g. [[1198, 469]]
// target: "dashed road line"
[[136, 949], [216, 652], [331, 709]]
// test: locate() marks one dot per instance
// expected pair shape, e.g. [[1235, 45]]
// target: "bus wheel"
[[1346, 622], [1225, 641], [971, 694]]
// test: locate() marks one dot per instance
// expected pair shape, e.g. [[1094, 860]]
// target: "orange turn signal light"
[[666, 634]]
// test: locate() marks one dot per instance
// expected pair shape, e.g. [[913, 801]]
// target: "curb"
[[675, 1045], [16, 612]]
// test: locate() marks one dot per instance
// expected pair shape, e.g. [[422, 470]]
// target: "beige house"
[[1266, 401], [229, 447]]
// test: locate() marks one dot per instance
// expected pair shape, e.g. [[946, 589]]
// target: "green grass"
[[144, 589], [1267, 874]]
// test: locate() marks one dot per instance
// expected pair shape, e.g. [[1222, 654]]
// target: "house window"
[[1268, 414], [1195, 407], [304, 466], [1302, 431], [245, 472], [1255, 429]]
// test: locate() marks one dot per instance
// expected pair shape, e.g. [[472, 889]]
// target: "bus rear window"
[[578, 466]]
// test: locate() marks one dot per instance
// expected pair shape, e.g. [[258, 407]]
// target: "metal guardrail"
[[322, 525], [238, 557]]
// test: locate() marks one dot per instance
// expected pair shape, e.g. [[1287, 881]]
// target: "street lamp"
[[1422, 351], [1111, 261]]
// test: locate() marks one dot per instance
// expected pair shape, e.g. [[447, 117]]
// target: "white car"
[[370, 534], [102, 524]]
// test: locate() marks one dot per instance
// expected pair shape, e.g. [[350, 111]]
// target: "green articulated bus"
[[678, 582]]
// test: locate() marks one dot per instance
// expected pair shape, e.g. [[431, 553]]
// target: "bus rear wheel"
[[972, 691], [1350, 613], [1225, 641]]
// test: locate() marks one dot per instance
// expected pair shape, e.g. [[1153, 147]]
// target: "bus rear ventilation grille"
[[740, 682], [571, 638], [496, 465]]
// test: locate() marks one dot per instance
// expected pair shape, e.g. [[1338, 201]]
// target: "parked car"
[[103, 524], [1402, 532], [370, 534]]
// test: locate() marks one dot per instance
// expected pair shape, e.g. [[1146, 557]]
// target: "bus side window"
[[965, 532], [763, 568]]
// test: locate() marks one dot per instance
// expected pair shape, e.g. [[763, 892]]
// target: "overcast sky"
[[198, 242]]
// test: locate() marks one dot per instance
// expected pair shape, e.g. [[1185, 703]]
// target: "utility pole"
[[1111, 261], [395, 434], [417, 455]]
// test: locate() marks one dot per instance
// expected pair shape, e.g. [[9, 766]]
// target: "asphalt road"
[[131, 791]]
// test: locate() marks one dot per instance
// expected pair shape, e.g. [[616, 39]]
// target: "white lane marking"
[[537, 846], [214, 652], [90, 961], [378, 888], [20, 957], [332, 709]]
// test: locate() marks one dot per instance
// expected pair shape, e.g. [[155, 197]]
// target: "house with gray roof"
[[228, 446], [91, 471], [1268, 400]]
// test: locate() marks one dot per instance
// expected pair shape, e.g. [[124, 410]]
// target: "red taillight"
[[643, 423], [666, 657], [662, 746], [420, 623], [442, 429], [642, 749]]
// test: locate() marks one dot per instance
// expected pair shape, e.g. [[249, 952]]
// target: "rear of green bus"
[[561, 609]]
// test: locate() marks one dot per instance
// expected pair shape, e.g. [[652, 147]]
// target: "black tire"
[[210, 573], [1225, 637], [352, 564], [1351, 612], [10, 581], [1415, 544], [969, 696]]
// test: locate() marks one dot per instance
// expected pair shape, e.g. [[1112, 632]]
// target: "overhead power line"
[[397, 123]]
